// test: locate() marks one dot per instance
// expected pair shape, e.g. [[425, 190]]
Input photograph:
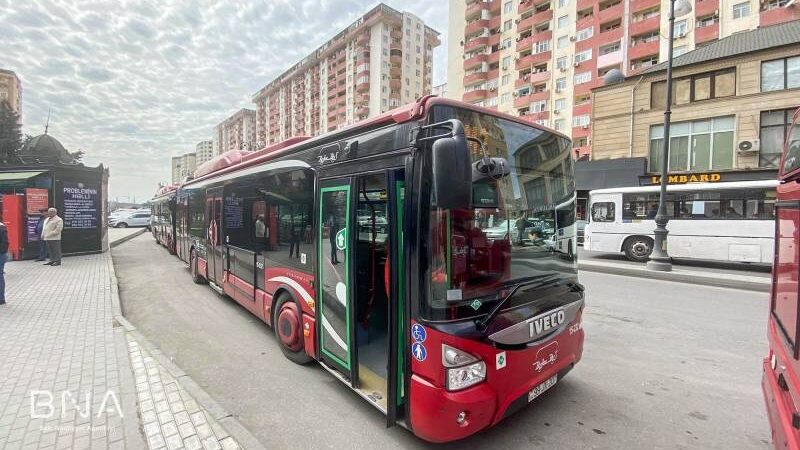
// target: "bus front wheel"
[[638, 248], [288, 326]]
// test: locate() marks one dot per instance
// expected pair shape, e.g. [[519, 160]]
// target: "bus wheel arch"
[[638, 248], [287, 323]]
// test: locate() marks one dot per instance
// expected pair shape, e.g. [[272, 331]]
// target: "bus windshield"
[[520, 227]]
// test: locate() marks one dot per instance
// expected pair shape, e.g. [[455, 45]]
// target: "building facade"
[[11, 90], [732, 104], [237, 132], [540, 59], [440, 90], [204, 151], [183, 166], [381, 61]]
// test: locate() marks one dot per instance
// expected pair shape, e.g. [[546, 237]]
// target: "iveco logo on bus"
[[546, 323]]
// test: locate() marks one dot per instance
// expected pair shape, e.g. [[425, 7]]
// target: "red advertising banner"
[[36, 200]]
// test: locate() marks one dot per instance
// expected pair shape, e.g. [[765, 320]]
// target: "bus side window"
[[603, 212]]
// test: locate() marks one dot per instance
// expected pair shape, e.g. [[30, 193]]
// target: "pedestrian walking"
[[51, 234], [3, 251], [39, 227]]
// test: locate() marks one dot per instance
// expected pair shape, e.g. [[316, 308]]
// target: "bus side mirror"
[[452, 170]]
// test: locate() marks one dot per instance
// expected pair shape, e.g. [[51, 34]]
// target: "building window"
[[584, 34], [563, 22], [741, 10], [491, 101], [563, 3], [507, 25], [541, 47], [679, 50], [780, 74], [704, 86], [506, 79], [506, 43], [538, 106], [583, 56], [563, 42], [558, 124], [680, 28], [774, 128], [506, 62], [561, 84], [561, 63], [706, 21], [580, 121], [698, 145], [560, 104], [508, 7], [610, 48], [505, 98], [583, 77]]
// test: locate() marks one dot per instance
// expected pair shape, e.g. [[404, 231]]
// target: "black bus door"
[[214, 234]]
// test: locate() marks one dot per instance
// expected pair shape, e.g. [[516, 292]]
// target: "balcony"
[[585, 22], [395, 83], [534, 116], [581, 131], [582, 109], [586, 88], [580, 152], [525, 44], [476, 27], [643, 49], [494, 6], [525, 6], [609, 59], [643, 26], [362, 87], [704, 8], [474, 96], [779, 15], [610, 36], [494, 39], [531, 60], [395, 70], [363, 38], [363, 73], [474, 10], [493, 74], [532, 78], [475, 60], [362, 111], [707, 33], [476, 43], [639, 5], [585, 4], [494, 23], [477, 77], [525, 100], [536, 19], [608, 14]]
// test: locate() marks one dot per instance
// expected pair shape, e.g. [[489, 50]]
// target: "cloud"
[[134, 82]]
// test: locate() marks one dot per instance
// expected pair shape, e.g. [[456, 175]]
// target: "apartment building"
[[183, 166], [204, 151], [237, 132], [11, 90], [732, 105], [540, 59], [381, 61]]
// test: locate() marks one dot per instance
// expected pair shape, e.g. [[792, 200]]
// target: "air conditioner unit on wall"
[[749, 146]]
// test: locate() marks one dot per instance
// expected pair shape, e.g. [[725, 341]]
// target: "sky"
[[133, 83]]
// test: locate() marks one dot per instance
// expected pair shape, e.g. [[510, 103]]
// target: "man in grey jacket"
[[51, 234]]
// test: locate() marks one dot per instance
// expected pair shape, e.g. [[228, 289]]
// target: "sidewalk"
[[71, 376]]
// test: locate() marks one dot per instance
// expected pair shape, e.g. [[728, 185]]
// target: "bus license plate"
[[539, 390]]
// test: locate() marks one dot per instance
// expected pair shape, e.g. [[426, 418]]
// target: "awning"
[[608, 173], [18, 176]]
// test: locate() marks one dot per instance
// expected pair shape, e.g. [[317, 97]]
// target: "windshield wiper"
[[483, 323]]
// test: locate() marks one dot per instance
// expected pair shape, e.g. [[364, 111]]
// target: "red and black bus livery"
[[374, 251]]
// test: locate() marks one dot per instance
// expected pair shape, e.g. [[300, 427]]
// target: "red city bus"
[[397, 253], [781, 382]]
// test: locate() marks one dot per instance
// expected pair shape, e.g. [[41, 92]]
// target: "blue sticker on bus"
[[418, 333], [419, 352]]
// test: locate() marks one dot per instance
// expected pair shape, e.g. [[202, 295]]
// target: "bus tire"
[[288, 326], [638, 248], [193, 267]]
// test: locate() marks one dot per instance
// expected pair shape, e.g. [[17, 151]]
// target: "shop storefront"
[[78, 193]]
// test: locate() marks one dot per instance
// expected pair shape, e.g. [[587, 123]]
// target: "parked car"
[[138, 218], [120, 212], [507, 226]]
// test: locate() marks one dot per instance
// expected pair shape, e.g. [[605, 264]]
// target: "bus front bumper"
[[435, 411]]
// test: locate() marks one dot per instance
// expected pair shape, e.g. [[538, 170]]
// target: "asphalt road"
[[665, 365]]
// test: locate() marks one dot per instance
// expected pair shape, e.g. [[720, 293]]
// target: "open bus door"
[[782, 365], [360, 291]]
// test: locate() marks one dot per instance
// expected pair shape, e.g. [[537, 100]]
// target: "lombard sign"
[[688, 178]]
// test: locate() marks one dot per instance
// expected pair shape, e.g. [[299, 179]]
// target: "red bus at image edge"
[[406, 254], [781, 366]]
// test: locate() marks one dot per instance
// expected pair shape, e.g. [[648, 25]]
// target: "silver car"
[[139, 218]]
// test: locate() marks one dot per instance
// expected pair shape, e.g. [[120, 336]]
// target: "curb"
[[682, 275], [239, 433], [127, 238]]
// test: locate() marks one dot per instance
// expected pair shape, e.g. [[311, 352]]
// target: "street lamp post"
[[659, 258]]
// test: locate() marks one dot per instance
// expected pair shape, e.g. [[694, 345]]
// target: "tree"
[[10, 134]]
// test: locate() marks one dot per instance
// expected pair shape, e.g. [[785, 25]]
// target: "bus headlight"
[[463, 369]]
